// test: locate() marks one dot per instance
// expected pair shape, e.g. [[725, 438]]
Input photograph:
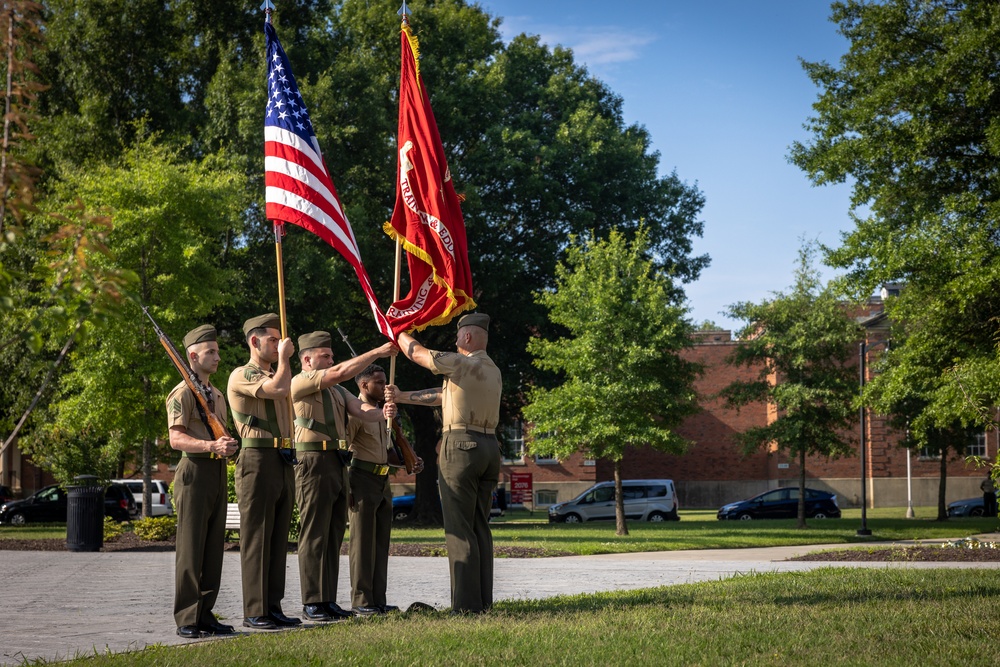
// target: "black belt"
[[267, 443], [469, 428], [368, 466], [322, 446]]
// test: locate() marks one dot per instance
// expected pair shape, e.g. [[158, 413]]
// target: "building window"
[[539, 458], [978, 446], [930, 453], [512, 443], [546, 497]]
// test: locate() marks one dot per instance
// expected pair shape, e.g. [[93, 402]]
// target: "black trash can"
[[85, 514]]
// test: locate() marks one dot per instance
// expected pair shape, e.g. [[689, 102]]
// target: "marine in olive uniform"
[[200, 493], [469, 458], [371, 500], [322, 407], [265, 484]]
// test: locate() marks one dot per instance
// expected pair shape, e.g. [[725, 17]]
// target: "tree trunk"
[[147, 460], [427, 432], [801, 513], [942, 484], [621, 527]]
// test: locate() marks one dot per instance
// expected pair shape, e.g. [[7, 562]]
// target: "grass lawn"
[[825, 617], [697, 529]]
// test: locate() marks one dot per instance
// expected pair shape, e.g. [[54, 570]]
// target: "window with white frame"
[[512, 442], [930, 453], [978, 446]]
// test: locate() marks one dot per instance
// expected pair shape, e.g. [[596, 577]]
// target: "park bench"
[[233, 517]]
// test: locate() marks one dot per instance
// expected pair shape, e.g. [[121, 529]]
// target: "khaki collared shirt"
[[472, 386], [307, 393], [369, 440], [243, 393], [182, 410]]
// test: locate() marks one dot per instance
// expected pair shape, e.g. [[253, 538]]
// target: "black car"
[[968, 507], [783, 504], [6, 494], [49, 505]]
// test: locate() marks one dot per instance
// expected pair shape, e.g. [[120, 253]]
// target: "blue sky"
[[719, 86]]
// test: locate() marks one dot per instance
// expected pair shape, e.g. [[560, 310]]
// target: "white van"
[[645, 500], [162, 503]]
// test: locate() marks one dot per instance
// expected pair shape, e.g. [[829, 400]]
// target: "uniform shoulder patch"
[[176, 409], [251, 374]]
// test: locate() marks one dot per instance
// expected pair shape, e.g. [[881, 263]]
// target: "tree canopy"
[[624, 383], [538, 147], [911, 116]]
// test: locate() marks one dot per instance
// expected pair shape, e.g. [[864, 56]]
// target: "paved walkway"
[[57, 605]]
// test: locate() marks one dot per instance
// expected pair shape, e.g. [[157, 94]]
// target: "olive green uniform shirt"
[[307, 394], [370, 441], [243, 393], [182, 410]]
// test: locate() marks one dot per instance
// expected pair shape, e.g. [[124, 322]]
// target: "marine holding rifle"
[[322, 408], [200, 488], [371, 499], [265, 485]]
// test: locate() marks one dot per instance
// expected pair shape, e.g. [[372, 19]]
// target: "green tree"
[[911, 116], [172, 221], [801, 344], [624, 382]]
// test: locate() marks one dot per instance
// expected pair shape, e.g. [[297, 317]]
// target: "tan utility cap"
[[481, 320], [202, 334], [266, 321], [315, 339]]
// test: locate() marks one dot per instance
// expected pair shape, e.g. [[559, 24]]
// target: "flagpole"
[[279, 232], [404, 12], [395, 298]]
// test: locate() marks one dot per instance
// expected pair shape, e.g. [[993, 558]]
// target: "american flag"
[[298, 187]]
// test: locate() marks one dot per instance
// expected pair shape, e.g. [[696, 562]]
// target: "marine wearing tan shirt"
[[258, 396], [322, 487], [469, 458], [200, 493]]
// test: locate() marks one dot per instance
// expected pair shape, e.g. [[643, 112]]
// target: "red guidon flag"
[[298, 187], [427, 218]]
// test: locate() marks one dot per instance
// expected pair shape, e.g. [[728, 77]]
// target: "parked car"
[[645, 500], [967, 507], [6, 494], [402, 506], [49, 504], [783, 504], [162, 505]]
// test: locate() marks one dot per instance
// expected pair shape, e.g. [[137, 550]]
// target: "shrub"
[[112, 529], [155, 529]]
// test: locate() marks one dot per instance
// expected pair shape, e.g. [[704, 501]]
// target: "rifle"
[[202, 394], [404, 450]]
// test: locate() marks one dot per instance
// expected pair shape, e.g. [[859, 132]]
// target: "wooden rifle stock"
[[403, 446], [202, 394]]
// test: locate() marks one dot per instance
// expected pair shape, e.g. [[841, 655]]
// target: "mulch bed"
[[907, 554], [129, 542]]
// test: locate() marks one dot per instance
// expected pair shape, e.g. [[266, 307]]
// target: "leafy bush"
[[113, 529], [155, 529]]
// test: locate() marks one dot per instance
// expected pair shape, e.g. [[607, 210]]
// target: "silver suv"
[[645, 500], [162, 504]]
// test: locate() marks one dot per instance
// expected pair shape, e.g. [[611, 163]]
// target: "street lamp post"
[[863, 530], [862, 354]]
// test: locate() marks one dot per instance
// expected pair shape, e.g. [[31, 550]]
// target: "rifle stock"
[[202, 394]]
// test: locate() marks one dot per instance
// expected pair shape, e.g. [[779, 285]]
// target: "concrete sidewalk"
[[57, 605]]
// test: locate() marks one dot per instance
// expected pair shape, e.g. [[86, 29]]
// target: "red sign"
[[521, 488]]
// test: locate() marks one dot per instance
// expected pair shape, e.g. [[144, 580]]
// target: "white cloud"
[[599, 48]]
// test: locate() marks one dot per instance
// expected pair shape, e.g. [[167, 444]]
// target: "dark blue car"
[[783, 504]]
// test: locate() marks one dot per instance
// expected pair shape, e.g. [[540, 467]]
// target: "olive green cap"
[[315, 339], [481, 320], [202, 334], [266, 321]]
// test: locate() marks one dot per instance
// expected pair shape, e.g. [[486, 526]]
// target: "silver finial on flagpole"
[[404, 11], [267, 8]]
